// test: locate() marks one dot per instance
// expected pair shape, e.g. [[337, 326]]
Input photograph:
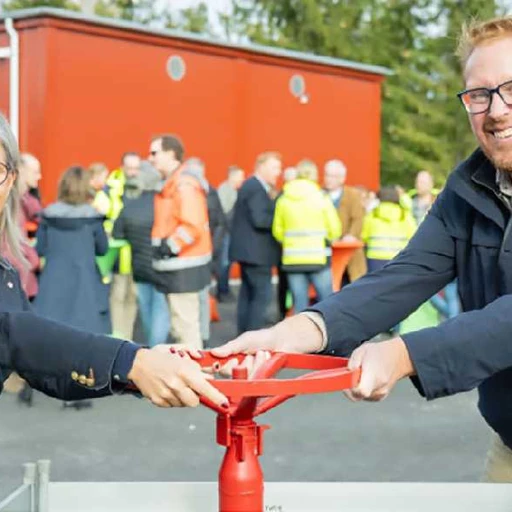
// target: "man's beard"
[[500, 162]]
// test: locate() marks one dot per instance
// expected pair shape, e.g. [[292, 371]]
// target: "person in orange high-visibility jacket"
[[182, 246]]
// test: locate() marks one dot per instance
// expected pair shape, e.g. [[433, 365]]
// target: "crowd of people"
[[155, 238]]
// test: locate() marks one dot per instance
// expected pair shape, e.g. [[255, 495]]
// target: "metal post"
[[29, 478], [43, 472]]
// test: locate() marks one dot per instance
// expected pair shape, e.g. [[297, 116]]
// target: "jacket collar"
[[474, 180]]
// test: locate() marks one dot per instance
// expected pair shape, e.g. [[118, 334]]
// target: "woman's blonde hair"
[[476, 33], [11, 234], [307, 170], [75, 186]]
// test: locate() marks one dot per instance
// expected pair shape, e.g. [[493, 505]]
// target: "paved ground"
[[313, 438]]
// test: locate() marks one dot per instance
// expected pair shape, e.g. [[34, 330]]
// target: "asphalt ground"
[[313, 438]]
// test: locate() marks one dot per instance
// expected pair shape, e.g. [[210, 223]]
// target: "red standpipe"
[[240, 476]]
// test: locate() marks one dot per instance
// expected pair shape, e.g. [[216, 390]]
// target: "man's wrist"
[[318, 320], [299, 334], [405, 365]]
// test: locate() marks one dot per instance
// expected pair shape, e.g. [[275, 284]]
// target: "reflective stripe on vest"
[[183, 233], [385, 247], [305, 251], [181, 262], [305, 232]]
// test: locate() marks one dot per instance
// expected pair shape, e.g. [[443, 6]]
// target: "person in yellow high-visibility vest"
[[305, 222], [123, 293], [387, 229]]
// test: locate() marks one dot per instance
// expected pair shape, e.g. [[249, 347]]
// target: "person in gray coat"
[[134, 225], [69, 237]]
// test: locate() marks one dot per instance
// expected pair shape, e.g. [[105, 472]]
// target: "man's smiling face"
[[490, 65]]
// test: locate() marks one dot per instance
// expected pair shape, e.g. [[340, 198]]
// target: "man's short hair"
[[172, 143], [267, 155], [127, 154], [389, 194], [476, 33], [196, 166], [307, 170], [233, 169], [336, 166], [97, 168]]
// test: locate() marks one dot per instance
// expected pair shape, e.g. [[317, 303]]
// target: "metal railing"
[[32, 495]]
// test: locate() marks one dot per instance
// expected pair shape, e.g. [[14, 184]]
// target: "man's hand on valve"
[[382, 365]]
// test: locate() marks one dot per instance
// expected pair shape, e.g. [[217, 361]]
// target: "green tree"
[[140, 11], [195, 19], [423, 126], [13, 5]]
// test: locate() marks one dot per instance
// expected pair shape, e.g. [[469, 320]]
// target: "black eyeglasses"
[[479, 100], [5, 170]]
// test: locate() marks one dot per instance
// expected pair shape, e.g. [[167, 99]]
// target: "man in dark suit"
[[252, 243]]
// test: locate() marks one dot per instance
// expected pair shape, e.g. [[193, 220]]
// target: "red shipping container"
[[93, 88]]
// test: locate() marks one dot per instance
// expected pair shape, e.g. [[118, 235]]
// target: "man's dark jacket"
[[218, 226], [251, 233], [467, 235]]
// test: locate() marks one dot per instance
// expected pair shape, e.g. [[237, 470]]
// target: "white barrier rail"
[[32, 495]]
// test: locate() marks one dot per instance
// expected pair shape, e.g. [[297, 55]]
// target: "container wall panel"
[[340, 120]]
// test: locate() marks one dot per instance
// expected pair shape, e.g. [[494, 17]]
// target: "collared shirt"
[[264, 184], [504, 182], [336, 197]]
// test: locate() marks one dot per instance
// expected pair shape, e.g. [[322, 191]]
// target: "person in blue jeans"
[[449, 305], [305, 222], [298, 283], [134, 225], [154, 313]]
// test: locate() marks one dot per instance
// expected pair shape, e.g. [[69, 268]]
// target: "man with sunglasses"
[[466, 235], [181, 241]]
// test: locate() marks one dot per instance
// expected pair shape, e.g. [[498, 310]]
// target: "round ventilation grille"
[[176, 67], [297, 85]]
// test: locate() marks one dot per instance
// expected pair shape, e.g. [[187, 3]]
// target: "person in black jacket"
[[252, 244], [467, 235], [69, 363], [134, 225]]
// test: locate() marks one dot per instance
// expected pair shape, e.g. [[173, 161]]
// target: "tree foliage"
[[423, 126], [13, 5]]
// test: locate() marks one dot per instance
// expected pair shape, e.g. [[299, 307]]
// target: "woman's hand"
[[172, 379]]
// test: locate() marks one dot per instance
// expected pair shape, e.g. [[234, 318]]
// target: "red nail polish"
[[172, 350], [181, 353], [225, 405]]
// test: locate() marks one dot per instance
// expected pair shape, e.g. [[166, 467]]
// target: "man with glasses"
[[467, 235]]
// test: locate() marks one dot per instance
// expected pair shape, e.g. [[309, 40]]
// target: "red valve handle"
[[330, 374]]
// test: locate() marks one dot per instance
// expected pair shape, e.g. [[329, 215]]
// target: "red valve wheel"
[[329, 374]]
